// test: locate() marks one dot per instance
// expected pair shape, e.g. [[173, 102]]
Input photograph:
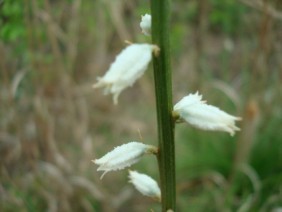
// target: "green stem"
[[160, 11]]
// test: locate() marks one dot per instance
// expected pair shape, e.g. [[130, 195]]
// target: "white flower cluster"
[[126, 155], [129, 66]]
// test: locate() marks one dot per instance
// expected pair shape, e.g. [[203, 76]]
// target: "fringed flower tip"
[[129, 65], [196, 112], [145, 185], [123, 156]]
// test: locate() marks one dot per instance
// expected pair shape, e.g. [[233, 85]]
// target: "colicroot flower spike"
[[196, 112], [129, 65], [160, 11], [123, 156], [145, 185]]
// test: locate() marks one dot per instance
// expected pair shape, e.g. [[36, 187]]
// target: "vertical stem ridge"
[[160, 11]]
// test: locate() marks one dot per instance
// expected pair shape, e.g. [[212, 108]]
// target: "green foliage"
[[226, 16], [12, 25], [266, 157]]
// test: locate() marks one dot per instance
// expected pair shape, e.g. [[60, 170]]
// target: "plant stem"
[[160, 11]]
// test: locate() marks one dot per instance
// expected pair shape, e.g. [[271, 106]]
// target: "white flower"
[[129, 65], [145, 24], [145, 184], [196, 112], [123, 156]]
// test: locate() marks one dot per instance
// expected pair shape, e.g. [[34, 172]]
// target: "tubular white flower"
[[196, 112], [145, 184], [145, 24], [128, 66], [123, 156]]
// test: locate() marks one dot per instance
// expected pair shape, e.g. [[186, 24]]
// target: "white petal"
[[145, 184], [207, 117], [188, 101], [129, 65], [145, 24], [123, 156]]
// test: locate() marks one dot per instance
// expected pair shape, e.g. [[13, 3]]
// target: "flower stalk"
[[160, 11]]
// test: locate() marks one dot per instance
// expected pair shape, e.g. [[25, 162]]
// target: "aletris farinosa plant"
[[128, 67]]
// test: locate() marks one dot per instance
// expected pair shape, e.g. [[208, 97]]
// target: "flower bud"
[[145, 24], [129, 65], [145, 185], [123, 156], [196, 112]]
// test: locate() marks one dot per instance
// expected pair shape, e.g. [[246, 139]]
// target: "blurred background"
[[52, 123]]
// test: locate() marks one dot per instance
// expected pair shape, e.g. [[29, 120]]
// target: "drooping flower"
[[123, 156], [128, 66], [196, 112], [145, 24], [145, 184]]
